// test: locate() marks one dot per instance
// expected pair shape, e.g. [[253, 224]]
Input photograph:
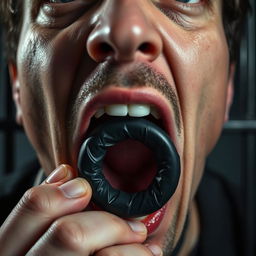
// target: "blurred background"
[[234, 155]]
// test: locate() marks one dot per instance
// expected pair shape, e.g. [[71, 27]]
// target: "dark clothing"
[[218, 202], [12, 188], [220, 207]]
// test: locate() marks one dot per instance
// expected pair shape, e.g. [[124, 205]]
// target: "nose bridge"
[[123, 29], [126, 20]]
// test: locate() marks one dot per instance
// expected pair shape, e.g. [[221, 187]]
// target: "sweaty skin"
[[64, 48]]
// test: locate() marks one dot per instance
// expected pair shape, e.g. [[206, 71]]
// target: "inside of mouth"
[[129, 166]]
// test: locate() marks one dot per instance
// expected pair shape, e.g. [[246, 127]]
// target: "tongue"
[[129, 166]]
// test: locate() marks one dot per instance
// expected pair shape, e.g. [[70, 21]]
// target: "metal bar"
[[240, 125]]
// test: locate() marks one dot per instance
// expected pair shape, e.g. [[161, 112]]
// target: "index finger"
[[38, 208]]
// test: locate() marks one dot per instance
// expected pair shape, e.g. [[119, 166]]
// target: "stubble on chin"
[[169, 239], [167, 242]]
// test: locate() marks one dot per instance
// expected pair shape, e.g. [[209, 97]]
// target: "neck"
[[192, 234]]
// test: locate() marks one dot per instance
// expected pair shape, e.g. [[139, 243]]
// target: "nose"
[[123, 32]]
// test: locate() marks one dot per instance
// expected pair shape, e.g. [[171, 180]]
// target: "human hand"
[[49, 220]]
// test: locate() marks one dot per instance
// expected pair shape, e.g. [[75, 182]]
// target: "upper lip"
[[116, 95]]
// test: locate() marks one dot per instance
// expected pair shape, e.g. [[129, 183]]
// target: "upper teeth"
[[134, 110]]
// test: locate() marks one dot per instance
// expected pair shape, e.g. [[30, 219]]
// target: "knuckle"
[[122, 250], [109, 252], [35, 200], [117, 225], [67, 234]]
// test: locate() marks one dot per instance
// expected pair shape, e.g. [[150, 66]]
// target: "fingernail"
[[137, 227], [155, 249], [73, 188], [58, 174]]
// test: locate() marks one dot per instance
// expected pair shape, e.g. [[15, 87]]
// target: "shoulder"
[[219, 204], [14, 185]]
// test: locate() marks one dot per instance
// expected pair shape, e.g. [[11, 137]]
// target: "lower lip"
[[153, 221]]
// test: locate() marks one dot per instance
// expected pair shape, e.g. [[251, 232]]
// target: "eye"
[[189, 1], [61, 1]]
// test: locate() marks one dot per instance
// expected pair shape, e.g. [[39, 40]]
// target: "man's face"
[[78, 57]]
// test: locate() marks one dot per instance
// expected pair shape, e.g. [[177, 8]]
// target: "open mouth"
[[129, 165]]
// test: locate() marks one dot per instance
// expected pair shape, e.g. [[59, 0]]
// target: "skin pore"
[[64, 47]]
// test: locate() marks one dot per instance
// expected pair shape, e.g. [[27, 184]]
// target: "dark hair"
[[11, 15], [234, 13]]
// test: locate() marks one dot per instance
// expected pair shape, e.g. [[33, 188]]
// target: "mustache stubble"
[[141, 75]]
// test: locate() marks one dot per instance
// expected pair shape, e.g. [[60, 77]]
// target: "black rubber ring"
[[123, 204]]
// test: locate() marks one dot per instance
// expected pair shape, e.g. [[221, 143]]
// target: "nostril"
[[105, 48], [100, 51], [147, 49]]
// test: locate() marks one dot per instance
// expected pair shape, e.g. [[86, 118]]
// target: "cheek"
[[48, 66], [34, 108], [212, 103], [210, 92], [205, 94]]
